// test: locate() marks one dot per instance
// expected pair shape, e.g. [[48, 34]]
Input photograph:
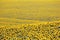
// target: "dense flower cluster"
[[49, 31]]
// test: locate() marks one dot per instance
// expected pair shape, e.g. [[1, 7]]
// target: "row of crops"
[[49, 31]]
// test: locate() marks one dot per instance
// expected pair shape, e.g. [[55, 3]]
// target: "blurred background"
[[42, 10]]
